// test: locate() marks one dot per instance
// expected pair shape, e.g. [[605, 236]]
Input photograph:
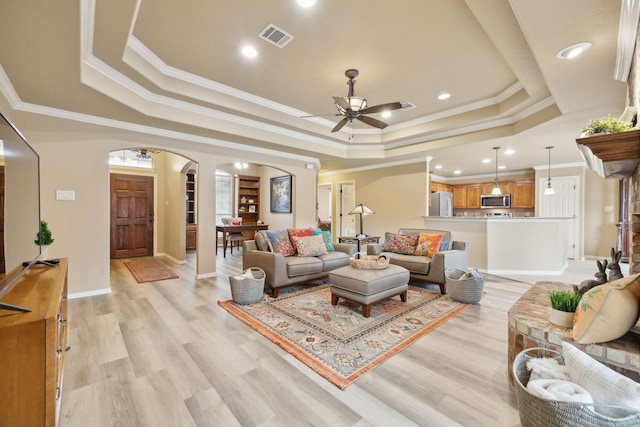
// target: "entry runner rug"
[[149, 270], [336, 341]]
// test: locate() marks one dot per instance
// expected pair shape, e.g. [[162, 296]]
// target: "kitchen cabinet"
[[473, 195], [523, 194], [505, 187], [438, 186], [459, 196]]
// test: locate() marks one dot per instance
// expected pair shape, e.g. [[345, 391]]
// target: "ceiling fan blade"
[[340, 124], [372, 122], [342, 102], [320, 115], [382, 107]]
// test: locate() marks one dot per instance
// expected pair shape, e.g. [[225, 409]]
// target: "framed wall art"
[[281, 194]]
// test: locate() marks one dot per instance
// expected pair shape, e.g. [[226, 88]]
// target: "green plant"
[[44, 237], [606, 125], [564, 300]]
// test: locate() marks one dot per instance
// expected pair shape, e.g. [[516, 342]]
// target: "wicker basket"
[[468, 291], [247, 290], [369, 262], [538, 412]]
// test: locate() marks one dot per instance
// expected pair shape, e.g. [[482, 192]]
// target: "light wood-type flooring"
[[165, 354]]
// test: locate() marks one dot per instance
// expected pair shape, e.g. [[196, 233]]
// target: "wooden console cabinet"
[[33, 347]]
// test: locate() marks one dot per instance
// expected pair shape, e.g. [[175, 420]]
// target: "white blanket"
[[559, 390]]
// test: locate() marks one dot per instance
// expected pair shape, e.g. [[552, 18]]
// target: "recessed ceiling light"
[[457, 171], [438, 166], [486, 160], [386, 114], [249, 51], [574, 50], [509, 151], [502, 167], [306, 3], [443, 96]]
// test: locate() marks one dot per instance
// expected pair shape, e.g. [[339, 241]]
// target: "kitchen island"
[[503, 245]]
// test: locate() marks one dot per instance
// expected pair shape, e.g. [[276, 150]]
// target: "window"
[[224, 196], [129, 159]]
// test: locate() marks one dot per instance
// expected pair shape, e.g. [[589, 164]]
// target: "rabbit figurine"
[[614, 267], [601, 277]]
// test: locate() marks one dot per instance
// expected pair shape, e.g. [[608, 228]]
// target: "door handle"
[[151, 217]]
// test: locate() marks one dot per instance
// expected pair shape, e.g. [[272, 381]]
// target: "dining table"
[[229, 229]]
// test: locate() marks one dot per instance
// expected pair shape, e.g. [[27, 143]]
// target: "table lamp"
[[361, 210]]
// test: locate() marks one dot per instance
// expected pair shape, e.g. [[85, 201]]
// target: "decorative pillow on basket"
[[605, 385], [428, 244], [310, 245], [400, 243], [280, 242], [608, 311], [326, 236]]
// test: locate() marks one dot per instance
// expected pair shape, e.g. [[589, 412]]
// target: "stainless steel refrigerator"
[[441, 204]]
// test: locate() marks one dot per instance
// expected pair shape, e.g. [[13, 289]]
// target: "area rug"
[[337, 342], [149, 270]]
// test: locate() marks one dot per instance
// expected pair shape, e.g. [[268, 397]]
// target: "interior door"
[[2, 261], [562, 204], [132, 216], [347, 202]]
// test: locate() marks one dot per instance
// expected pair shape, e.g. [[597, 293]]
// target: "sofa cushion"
[[415, 264], [445, 244], [301, 266], [326, 236], [428, 244], [280, 242], [608, 311], [333, 260], [400, 243], [298, 232], [309, 245]]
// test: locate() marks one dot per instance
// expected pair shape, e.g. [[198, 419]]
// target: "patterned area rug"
[[336, 341], [149, 270]]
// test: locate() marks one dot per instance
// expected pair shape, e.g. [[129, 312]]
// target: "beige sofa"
[[425, 269], [282, 271]]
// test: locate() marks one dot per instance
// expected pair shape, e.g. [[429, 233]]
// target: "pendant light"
[[496, 188], [549, 191]]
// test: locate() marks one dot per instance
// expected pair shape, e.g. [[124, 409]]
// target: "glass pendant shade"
[[496, 189], [549, 190]]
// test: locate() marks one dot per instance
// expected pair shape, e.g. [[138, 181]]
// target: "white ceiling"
[[173, 70]]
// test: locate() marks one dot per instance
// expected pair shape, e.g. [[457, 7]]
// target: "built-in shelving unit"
[[190, 196], [249, 198]]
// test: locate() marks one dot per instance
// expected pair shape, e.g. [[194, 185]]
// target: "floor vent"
[[407, 106], [275, 35]]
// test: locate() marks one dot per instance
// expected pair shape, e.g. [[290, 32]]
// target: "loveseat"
[[429, 269], [282, 271]]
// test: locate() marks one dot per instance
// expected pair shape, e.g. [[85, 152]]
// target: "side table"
[[359, 240]]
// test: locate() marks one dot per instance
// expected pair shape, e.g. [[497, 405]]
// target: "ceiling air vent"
[[407, 106], [275, 35]]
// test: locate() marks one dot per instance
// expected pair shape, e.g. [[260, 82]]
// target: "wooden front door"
[[131, 216]]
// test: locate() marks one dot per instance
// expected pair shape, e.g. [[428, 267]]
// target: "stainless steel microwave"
[[495, 201]]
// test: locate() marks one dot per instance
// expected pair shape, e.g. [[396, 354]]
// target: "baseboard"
[[103, 291]]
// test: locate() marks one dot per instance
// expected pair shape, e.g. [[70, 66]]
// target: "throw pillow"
[[326, 236], [428, 244], [605, 385], [608, 311], [400, 243], [280, 242], [262, 241], [310, 245], [298, 232]]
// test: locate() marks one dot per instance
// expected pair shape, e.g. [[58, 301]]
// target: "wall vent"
[[407, 106], [275, 35]]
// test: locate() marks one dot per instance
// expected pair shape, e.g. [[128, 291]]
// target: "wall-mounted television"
[[19, 208]]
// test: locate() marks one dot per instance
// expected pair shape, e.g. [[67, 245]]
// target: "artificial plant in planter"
[[606, 125], [44, 238], [563, 307]]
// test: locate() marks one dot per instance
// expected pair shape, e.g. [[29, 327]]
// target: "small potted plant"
[[606, 125], [563, 307], [44, 238]]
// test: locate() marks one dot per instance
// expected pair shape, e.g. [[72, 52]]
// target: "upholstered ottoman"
[[368, 286]]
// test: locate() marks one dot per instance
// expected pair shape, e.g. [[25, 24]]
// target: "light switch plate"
[[65, 195]]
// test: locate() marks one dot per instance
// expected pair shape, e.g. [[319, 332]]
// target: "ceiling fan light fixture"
[[357, 103]]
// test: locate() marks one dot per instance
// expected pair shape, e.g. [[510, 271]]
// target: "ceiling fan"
[[354, 107]]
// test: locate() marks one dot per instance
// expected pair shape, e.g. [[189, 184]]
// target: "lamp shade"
[[361, 209]]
